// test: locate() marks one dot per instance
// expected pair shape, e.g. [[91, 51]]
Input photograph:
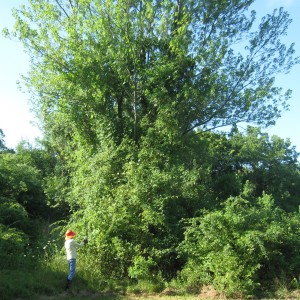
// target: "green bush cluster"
[[242, 247], [13, 244]]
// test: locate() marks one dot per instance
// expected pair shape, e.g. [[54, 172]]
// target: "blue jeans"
[[72, 268]]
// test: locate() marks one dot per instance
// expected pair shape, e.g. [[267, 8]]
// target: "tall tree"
[[119, 67], [121, 86]]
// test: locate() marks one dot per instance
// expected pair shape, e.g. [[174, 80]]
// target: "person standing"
[[71, 250]]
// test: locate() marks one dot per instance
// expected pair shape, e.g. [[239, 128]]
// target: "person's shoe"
[[68, 285]]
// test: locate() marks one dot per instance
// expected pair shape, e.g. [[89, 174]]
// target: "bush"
[[237, 248], [13, 214], [12, 246], [141, 268]]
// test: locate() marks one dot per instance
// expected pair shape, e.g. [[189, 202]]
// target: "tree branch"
[[57, 1]]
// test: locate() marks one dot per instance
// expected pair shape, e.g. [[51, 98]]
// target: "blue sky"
[[17, 122]]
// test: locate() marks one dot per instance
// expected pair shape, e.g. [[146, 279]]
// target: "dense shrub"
[[12, 214], [242, 245], [12, 245]]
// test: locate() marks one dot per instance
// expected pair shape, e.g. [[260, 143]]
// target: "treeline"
[[223, 211], [24, 212], [130, 96]]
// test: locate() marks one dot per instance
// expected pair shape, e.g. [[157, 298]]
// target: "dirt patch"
[[208, 292], [168, 292]]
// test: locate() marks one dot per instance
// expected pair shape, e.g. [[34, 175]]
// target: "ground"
[[207, 293]]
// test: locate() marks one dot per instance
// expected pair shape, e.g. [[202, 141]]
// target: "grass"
[[43, 284], [47, 281], [106, 297], [25, 283], [98, 296]]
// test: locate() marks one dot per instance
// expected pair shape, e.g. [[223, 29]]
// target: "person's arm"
[[79, 245]]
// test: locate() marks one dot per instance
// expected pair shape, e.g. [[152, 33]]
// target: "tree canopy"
[[118, 68]]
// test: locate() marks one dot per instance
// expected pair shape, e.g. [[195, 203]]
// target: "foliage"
[[52, 181], [12, 244], [115, 69], [241, 247], [141, 268], [122, 88], [41, 158], [137, 211], [23, 206], [2, 143], [13, 214], [22, 182], [269, 163]]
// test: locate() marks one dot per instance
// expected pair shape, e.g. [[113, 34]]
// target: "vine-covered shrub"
[[242, 245]]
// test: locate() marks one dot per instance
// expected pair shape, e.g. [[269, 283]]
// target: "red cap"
[[70, 234]]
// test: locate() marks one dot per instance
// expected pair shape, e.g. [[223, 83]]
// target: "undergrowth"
[[46, 280]]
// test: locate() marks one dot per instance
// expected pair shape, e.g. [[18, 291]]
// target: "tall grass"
[[31, 273], [26, 284]]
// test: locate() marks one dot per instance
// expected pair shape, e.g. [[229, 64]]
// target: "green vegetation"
[[130, 95]]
